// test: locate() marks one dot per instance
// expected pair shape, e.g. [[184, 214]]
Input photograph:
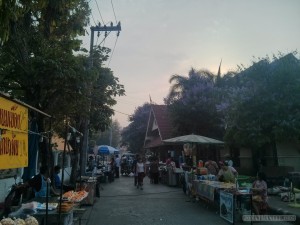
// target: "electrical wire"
[[99, 12], [94, 19], [121, 112], [104, 39], [98, 35], [112, 53], [41, 134], [114, 10]]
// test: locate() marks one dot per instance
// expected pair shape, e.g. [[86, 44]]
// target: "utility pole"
[[85, 148]]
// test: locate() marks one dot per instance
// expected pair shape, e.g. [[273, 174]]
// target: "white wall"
[[289, 155]]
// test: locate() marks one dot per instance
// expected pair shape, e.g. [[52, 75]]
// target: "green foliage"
[[192, 104], [254, 107], [111, 136], [39, 67], [134, 134], [264, 105]]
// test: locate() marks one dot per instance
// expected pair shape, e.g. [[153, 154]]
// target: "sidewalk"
[[278, 207]]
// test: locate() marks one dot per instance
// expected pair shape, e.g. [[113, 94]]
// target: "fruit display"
[[65, 207], [75, 196]]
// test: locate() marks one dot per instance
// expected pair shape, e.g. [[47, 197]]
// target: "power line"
[[103, 41], [112, 53], [93, 19], [113, 10], [122, 113], [99, 12]]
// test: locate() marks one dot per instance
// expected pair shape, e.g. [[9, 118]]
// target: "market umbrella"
[[106, 150], [192, 138]]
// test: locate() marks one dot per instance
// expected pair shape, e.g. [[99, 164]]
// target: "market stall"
[[57, 213], [208, 189], [233, 202], [92, 186], [19, 144]]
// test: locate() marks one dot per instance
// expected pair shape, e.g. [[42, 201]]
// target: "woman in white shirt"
[[140, 169]]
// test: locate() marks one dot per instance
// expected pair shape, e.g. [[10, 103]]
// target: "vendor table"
[[66, 218], [233, 202], [207, 189], [92, 186]]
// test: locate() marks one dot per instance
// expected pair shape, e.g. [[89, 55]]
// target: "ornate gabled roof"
[[159, 126]]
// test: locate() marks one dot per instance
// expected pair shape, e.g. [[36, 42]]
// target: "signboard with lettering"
[[13, 135], [227, 206]]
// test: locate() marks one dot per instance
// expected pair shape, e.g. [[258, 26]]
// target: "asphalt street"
[[121, 203]]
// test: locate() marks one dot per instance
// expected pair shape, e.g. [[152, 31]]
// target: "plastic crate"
[[242, 179]]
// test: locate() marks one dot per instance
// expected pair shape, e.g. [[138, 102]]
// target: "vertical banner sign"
[[13, 135], [226, 206]]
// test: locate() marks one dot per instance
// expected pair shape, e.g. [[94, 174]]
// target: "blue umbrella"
[[106, 150]]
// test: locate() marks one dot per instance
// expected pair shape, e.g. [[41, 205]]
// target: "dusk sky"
[[160, 38]]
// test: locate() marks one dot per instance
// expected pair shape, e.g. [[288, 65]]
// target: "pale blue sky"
[[164, 37]]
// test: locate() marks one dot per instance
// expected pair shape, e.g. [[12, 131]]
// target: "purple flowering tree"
[[192, 104]]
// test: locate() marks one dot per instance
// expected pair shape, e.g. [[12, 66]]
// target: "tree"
[[192, 103], [264, 104], [134, 134], [111, 136], [39, 67]]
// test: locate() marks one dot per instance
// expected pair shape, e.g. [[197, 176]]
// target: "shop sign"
[[226, 206], [13, 135]]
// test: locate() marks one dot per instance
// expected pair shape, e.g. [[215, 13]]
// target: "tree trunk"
[[74, 165], [274, 150]]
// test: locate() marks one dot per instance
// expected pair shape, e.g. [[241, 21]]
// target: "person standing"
[[117, 166], [212, 167], [154, 171], [140, 169], [226, 173]]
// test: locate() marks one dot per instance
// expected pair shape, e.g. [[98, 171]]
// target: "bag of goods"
[[7, 221], [20, 222], [30, 220]]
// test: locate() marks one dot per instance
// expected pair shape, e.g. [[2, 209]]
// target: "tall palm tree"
[[182, 83]]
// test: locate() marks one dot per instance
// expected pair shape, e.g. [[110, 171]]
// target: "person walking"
[[117, 166], [112, 170], [140, 169], [134, 169]]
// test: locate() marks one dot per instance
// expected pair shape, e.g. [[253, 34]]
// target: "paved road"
[[122, 204]]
